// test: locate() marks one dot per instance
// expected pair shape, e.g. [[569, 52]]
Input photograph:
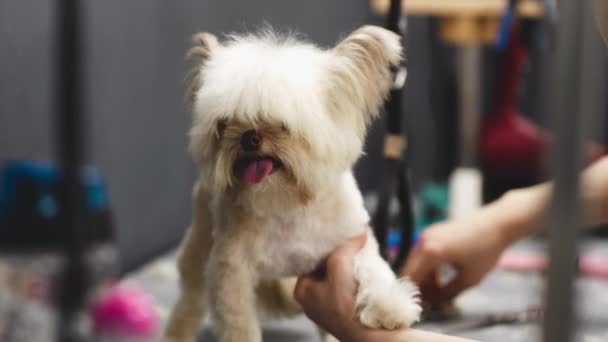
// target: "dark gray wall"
[[24, 79], [137, 120]]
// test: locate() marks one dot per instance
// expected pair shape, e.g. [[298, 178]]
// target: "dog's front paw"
[[389, 306]]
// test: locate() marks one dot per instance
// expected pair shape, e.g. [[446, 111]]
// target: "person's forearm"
[[594, 187], [520, 212], [409, 335]]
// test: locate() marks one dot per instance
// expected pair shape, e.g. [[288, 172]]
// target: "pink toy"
[[126, 311]]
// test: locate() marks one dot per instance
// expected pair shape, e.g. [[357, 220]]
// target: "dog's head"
[[276, 115]]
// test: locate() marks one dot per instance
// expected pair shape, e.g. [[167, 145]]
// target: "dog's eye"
[[220, 127]]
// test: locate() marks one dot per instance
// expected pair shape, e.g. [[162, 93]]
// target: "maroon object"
[[513, 147]]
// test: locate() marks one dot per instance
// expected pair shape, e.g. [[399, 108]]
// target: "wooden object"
[[465, 21], [394, 145]]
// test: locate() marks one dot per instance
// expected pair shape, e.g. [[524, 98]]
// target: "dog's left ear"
[[363, 70], [204, 46]]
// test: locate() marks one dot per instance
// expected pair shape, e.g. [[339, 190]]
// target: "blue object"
[[432, 204], [46, 177], [506, 22], [393, 240], [48, 206]]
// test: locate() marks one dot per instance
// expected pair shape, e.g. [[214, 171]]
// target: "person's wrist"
[[357, 332], [352, 331], [521, 211], [374, 335], [514, 216]]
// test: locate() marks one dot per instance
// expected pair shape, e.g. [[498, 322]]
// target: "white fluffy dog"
[[278, 125]]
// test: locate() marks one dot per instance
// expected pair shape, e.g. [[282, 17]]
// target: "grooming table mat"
[[501, 292]]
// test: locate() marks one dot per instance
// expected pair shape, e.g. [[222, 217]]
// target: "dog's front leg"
[[231, 289], [187, 315], [383, 301]]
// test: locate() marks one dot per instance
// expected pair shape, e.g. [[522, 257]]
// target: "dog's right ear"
[[204, 46], [363, 71]]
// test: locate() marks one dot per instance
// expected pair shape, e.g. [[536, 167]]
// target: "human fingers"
[[423, 262], [450, 291], [307, 288], [339, 264]]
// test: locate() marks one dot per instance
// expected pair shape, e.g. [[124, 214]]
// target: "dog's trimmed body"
[[278, 125]]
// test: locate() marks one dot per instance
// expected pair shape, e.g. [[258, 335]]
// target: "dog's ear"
[[363, 71], [204, 46]]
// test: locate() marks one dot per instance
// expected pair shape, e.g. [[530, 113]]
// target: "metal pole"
[[470, 76], [70, 151], [396, 178], [465, 189], [565, 211]]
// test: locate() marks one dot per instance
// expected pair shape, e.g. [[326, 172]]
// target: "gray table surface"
[[502, 291]]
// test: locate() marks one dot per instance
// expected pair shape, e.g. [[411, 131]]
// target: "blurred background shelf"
[[490, 8], [464, 21]]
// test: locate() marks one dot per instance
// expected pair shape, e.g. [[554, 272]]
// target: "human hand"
[[329, 298], [472, 246]]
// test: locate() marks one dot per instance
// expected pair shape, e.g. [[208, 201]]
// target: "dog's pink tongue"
[[257, 170]]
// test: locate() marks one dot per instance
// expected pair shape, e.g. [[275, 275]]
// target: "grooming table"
[[501, 292]]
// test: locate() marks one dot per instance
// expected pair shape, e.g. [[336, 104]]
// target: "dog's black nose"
[[251, 141]]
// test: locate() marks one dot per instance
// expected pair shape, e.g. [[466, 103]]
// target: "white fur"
[[248, 80], [382, 300], [286, 225], [294, 243]]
